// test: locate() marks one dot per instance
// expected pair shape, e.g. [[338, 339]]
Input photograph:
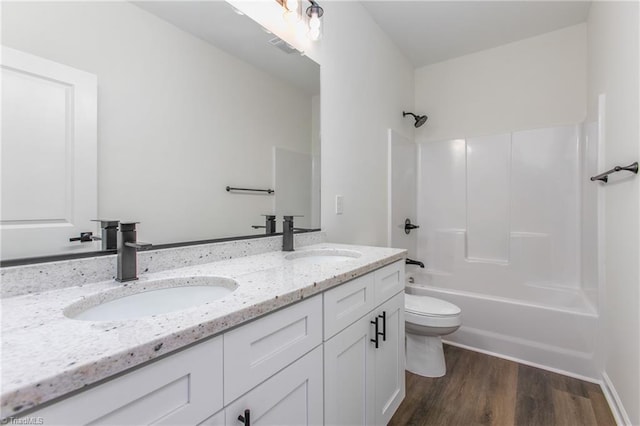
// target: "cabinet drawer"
[[256, 351], [345, 304], [389, 280], [184, 388]]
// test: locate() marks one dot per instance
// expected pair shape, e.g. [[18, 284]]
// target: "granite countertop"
[[46, 355]]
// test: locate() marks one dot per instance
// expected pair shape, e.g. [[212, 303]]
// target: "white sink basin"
[[142, 299], [318, 256]]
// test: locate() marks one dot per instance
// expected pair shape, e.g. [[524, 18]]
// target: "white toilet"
[[426, 319]]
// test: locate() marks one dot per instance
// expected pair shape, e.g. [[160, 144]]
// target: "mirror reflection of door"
[[49, 157]]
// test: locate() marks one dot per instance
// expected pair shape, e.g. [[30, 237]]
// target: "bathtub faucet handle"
[[413, 262], [408, 226]]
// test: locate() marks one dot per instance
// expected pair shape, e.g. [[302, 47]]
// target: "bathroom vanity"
[[313, 338]]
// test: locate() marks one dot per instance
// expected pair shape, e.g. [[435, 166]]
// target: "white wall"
[[366, 83], [536, 82], [402, 186], [613, 70], [178, 119], [316, 153]]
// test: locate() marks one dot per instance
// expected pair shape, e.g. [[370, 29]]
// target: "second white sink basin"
[[318, 256], [151, 298]]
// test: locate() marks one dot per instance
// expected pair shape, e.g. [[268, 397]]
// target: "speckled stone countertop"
[[46, 355]]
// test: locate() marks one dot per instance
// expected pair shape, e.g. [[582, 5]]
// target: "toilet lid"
[[429, 306]]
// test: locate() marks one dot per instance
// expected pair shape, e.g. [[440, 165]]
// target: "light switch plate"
[[339, 204]]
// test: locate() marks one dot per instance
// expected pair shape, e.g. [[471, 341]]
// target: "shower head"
[[420, 119]]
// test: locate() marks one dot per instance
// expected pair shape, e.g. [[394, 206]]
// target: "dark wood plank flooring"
[[480, 389]]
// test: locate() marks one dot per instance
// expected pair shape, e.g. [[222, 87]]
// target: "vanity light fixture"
[[314, 12], [291, 13], [294, 17]]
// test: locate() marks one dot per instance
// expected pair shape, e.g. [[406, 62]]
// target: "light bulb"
[[300, 30], [314, 34], [292, 5], [314, 22]]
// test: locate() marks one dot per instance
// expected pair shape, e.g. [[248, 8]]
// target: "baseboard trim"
[[615, 404], [525, 362]]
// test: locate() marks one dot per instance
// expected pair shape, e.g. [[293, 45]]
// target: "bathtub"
[[551, 328]]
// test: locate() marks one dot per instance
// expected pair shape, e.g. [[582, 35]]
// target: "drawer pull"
[[377, 332], [384, 325], [246, 419]]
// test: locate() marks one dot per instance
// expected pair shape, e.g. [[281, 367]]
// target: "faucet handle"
[[128, 226], [139, 245], [107, 223], [84, 237]]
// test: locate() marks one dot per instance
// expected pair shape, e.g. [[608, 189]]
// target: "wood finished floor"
[[480, 389]]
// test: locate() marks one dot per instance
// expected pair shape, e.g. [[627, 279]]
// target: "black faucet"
[[270, 224], [287, 233], [128, 253], [109, 235], [414, 262]]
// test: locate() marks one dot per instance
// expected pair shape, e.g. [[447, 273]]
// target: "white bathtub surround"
[[46, 354], [502, 221], [18, 280], [500, 214]]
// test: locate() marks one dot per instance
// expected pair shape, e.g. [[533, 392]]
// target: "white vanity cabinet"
[[265, 371], [181, 389], [364, 384], [310, 363]]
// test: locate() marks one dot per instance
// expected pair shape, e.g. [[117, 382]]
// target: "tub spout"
[[414, 262]]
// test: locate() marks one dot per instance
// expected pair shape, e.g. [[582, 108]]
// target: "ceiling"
[[428, 32], [216, 23]]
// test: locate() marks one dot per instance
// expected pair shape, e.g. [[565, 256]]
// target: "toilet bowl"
[[426, 320]]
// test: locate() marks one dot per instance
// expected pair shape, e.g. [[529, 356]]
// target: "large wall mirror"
[[185, 98]]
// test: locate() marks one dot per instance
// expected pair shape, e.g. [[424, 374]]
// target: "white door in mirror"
[[49, 156]]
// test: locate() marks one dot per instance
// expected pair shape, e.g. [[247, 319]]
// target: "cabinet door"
[[291, 397], [181, 389], [216, 420], [349, 371], [390, 361]]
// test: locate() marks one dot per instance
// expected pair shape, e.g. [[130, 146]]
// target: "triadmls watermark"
[[23, 421]]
